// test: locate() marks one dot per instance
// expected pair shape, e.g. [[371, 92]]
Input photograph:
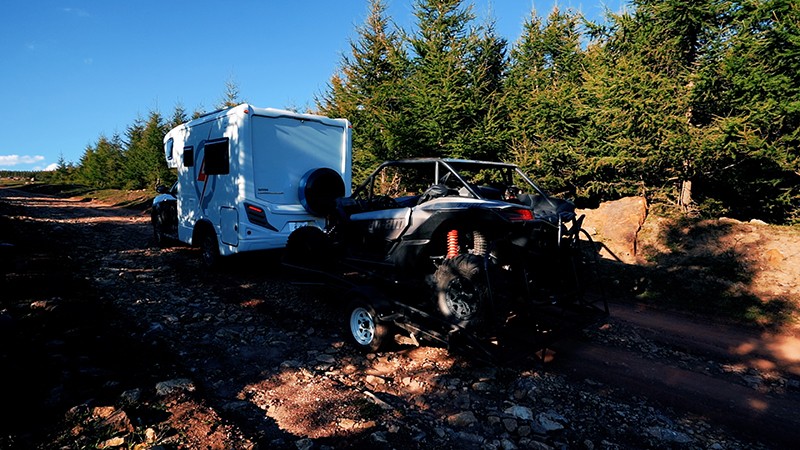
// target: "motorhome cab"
[[248, 177]]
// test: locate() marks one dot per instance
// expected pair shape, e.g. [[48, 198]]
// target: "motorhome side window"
[[216, 159], [168, 149], [188, 156]]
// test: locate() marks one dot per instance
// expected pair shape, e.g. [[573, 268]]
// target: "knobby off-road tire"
[[462, 290]]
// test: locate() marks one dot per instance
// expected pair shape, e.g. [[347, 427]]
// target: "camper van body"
[[242, 174]]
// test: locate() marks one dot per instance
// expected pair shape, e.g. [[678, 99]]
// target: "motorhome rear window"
[[188, 156], [216, 159]]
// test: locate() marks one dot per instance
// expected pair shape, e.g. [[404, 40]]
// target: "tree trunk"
[[685, 199]]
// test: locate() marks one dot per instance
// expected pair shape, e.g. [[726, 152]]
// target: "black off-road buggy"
[[452, 250]]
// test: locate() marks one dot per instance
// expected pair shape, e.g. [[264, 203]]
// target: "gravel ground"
[[112, 343]]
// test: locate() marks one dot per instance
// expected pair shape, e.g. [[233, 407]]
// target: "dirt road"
[[108, 341]]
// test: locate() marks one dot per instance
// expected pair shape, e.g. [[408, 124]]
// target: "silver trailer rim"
[[362, 326]]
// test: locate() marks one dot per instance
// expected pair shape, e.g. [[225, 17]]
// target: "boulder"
[[615, 225]]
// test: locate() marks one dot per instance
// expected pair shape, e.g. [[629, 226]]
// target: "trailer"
[[248, 177]]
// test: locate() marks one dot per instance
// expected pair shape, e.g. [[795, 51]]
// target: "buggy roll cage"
[[445, 167]]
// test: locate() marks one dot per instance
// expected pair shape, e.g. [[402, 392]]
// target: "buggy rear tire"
[[462, 290], [366, 329]]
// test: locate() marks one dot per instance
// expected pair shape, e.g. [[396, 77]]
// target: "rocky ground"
[[108, 342]]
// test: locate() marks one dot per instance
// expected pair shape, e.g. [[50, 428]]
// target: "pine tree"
[[88, 171], [368, 90], [110, 154], [544, 89], [100, 165], [231, 97], [144, 165], [642, 136], [486, 138], [688, 101], [452, 88], [748, 92], [64, 170], [178, 117]]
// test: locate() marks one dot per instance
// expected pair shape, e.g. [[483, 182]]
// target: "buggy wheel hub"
[[460, 298]]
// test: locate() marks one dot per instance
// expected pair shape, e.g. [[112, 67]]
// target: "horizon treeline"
[[134, 160], [694, 103]]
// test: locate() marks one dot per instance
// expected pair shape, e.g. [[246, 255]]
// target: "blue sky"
[[73, 70]]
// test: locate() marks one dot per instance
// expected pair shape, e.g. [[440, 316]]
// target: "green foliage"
[[693, 103], [749, 93], [367, 90], [432, 92], [231, 97], [101, 164], [454, 83], [64, 171], [137, 162], [543, 97], [144, 165]]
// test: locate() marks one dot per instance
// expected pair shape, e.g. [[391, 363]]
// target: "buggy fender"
[[412, 251], [470, 219]]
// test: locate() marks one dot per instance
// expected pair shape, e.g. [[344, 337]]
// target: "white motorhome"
[[248, 177]]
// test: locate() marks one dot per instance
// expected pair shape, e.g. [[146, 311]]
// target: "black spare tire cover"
[[319, 189]]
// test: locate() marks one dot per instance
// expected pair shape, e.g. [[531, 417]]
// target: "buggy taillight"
[[518, 214]]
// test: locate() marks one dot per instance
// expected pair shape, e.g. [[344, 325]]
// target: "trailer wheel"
[[365, 327], [462, 290], [319, 189], [209, 249]]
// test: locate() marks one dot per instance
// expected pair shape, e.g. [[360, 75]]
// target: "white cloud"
[[51, 167], [76, 11], [14, 160]]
